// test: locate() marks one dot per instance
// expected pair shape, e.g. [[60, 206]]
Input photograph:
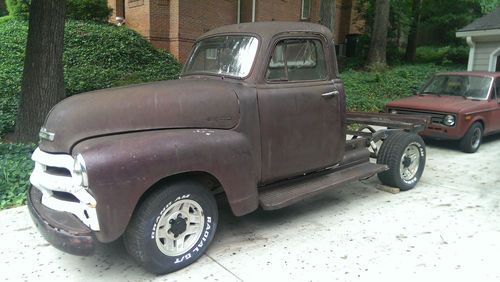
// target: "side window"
[[297, 60]]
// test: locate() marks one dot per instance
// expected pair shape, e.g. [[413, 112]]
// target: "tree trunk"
[[411, 47], [43, 75], [378, 45], [327, 13], [3, 8]]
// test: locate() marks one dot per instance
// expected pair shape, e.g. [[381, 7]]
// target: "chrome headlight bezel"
[[449, 120]]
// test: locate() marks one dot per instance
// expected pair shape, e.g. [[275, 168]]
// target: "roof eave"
[[487, 32]]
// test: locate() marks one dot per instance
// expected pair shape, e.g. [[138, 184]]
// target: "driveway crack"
[[235, 276]]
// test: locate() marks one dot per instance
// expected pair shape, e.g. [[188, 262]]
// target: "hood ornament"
[[46, 135]]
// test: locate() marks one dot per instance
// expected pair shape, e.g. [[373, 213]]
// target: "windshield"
[[474, 87], [230, 55]]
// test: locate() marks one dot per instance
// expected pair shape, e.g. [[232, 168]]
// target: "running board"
[[286, 194]]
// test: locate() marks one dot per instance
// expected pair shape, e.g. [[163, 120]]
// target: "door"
[[496, 114], [301, 111]]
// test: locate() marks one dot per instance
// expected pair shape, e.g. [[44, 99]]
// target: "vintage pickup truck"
[[258, 114]]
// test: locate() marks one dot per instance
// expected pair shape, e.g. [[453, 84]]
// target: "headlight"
[[80, 170], [449, 120], [393, 111]]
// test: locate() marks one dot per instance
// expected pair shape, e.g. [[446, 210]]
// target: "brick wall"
[[174, 25], [284, 10], [199, 16], [137, 16]]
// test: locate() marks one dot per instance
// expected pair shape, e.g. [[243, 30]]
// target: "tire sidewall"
[[172, 263], [467, 145]]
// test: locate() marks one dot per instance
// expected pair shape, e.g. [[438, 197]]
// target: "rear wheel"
[[472, 139], [404, 154], [172, 227]]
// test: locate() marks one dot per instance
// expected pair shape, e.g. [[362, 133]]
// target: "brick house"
[[175, 24]]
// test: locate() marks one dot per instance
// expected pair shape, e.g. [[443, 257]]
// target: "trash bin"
[[351, 44]]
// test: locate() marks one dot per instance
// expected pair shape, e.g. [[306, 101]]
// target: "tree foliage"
[[18, 8], [442, 18], [488, 6], [91, 10]]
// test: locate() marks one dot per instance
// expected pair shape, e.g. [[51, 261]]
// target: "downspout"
[[253, 10], [472, 52], [238, 16]]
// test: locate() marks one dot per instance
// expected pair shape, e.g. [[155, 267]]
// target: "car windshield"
[[474, 87], [230, 55]]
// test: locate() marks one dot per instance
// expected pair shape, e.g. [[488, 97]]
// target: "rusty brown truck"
[[258, 115]]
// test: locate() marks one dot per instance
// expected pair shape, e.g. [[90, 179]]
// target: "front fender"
[[122, 167]]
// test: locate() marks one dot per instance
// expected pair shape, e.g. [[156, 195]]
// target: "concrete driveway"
[[447, 228]]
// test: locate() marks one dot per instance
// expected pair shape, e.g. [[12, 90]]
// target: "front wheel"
[[172, 227], [472, 139], [404, 154]]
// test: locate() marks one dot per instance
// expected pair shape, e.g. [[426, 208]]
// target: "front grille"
[[57, 171], [62, 188], [436, 118]]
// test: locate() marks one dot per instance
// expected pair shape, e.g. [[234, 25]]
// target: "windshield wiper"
[[430, 92]]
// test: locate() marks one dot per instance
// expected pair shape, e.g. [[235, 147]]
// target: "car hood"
[[184, 103], [434, 103]]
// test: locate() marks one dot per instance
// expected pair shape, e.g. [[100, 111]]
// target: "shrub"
[[370, 91], [442, 55], [18, 8], [96, 56], [91, 10], [15, 168]]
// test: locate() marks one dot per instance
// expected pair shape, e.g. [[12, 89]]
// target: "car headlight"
[[80, 170], [449, 120]]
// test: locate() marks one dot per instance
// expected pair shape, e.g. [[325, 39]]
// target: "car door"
[[301, 109], [496, 114]]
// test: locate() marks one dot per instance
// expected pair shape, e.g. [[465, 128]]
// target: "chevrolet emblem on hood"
[[45, 135]]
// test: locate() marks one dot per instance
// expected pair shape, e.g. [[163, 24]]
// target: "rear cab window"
[[297, 60]]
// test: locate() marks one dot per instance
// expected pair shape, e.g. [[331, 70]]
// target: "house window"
[[498, 64], [305, 12]]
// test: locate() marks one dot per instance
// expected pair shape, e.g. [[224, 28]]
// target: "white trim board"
[[478, 33], [493, 59]]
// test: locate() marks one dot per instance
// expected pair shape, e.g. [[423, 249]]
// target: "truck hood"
[[434, 103], [184, 103]]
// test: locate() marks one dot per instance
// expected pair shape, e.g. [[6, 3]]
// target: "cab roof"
[[267, 30]]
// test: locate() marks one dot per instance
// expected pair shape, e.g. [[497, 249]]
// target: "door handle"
[[329, 94]]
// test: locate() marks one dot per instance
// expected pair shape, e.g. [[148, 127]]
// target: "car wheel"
[[172, 227], [472, 139], [404, 154]]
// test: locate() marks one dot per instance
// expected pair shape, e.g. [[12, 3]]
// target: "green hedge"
[[370, 91], [15, 168], [96, 56]]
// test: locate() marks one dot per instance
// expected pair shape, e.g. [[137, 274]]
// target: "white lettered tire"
[[172, 227], [404, 154]]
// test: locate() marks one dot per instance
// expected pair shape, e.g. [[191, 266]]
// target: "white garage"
[[483, 37]]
